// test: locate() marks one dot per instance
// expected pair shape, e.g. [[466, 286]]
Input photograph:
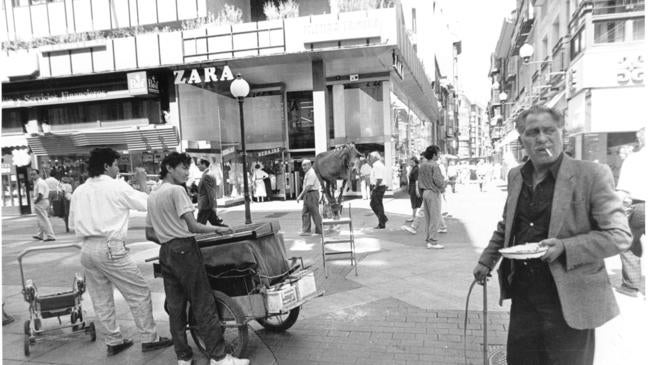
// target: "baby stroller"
[[67, 303]]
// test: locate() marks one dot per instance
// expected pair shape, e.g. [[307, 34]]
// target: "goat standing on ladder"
[[334, 165]]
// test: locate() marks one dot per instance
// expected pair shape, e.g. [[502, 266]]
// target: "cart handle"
[[40, 248]]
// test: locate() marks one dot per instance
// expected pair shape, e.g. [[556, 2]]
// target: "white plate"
[[524, 252]]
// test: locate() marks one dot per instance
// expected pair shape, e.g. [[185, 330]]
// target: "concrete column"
[[320, 105], [388, 130], [338, 104]]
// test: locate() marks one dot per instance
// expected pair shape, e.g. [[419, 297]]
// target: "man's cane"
[[485, 349]]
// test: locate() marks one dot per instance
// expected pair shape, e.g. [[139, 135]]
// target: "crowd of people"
[[573, 209]]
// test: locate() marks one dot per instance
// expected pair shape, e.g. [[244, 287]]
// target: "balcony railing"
[[56, 18], [603, 7]]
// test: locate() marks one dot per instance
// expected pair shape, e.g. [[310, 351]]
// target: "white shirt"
[[40, 187], [100, 207], [632, 178], [311, 180], [378, 172], [52, 183]]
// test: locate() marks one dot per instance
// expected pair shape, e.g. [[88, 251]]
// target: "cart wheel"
[[28, 331], [280, 322], [26, 345], [91, 331], [233, 321]]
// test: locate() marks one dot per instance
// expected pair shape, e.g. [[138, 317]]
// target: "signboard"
[[228, 151], [342, 29], [630, 71], [60, 97], [142, 84], [205, 75], [269, 152]]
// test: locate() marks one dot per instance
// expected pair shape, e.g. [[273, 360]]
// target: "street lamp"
[[526, 51], [239, 88]]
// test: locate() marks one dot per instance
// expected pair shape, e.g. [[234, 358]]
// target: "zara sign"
[[208, 74]]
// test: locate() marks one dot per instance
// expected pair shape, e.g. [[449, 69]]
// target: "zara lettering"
[[209, 74]]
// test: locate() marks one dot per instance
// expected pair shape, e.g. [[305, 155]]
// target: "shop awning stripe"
[[15, 141], [80, 142]]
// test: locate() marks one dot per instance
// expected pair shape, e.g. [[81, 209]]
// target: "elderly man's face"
[[540, 136], [306, 166]]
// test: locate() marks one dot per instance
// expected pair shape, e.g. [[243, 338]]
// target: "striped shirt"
[[430, 177]]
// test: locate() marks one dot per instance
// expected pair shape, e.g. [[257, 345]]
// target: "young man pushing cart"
[[171, 223]]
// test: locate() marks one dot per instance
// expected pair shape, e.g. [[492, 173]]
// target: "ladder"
[[324, 242]]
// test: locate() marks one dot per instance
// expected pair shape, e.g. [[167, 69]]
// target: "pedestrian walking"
[[631, 185], [413, 189], [207, 196], [170, 222], [66, 189], [378, 188], [41, 206], [99, 215], [570, 208], [482, 174], [431, 181], [365, 171], [452, 175], [310, 193], [260, 188]]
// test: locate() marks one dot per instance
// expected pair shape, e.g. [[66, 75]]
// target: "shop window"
[[12, 121], [301, 119], [609, 31], [638, 29]]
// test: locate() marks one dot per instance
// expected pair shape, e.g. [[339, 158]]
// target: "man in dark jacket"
[[207, 200]]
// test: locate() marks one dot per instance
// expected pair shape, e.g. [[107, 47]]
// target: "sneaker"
[[442, 230], [116, 349], [49, 239], [435, 245], [162, 342], [625, 290], [409, 220], [230, 360], [37, 238], [408, 229], [305, 234]]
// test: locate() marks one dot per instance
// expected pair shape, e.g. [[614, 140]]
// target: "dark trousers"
[[185, 280], [538, 333], [377, 204], [310, 212], [208, 215]]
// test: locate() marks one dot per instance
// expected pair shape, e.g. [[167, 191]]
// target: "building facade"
[[587, 63], [148, 77]]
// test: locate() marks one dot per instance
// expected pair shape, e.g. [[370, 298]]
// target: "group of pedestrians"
[[99, 215]]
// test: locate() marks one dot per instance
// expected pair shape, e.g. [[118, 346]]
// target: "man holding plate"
[[570, 208]]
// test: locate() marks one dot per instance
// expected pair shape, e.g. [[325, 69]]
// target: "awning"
[[13, 141], [151, 137], [508, 138]]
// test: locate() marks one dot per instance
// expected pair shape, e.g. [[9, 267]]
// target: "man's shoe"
[[161, 343], [379, 227], [116, 349], [625, 290], [442, 230], [185, 362], [37, 238], [435, 245], [409, 220], [49, 239], [230, 360], [408, 229], [305, 234]]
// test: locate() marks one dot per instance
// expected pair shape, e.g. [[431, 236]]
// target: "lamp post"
[[239, 88]]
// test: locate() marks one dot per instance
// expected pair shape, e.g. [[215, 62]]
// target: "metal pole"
[[247, 204], [485, 322]]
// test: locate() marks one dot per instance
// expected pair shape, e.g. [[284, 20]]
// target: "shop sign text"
[[208, 74], [142, 84], [269, 152], [630, 70]]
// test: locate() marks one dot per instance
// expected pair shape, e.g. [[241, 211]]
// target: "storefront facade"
[[316, 82]]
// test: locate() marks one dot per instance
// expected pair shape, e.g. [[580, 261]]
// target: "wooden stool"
[[350, 240]]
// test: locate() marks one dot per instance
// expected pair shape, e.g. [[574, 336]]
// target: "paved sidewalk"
[[405, 306]]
